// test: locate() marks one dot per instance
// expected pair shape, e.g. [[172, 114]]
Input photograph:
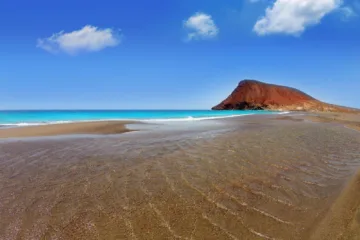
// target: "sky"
[[178, 54]]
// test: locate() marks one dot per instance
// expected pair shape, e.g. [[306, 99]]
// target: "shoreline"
[[100, 127], [107, 127], [154, 118], [91, 127], [210, 172], [147, 120]]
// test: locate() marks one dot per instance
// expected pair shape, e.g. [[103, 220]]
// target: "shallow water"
[[232, 179], [41, 117]]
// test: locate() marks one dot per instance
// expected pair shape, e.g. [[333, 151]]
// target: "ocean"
[[41, 117]]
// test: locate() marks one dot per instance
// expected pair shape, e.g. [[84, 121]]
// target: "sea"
[[42, 117]]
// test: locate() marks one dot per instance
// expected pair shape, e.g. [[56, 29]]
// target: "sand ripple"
[[258, 181]]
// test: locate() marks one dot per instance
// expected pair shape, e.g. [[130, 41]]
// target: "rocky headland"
[[256, 95]]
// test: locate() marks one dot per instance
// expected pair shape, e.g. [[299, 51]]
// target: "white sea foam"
[[26, 124], [191, 118], [184, 119], [284, 112]]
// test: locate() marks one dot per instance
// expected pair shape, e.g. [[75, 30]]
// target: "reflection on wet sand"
[[258, 178]]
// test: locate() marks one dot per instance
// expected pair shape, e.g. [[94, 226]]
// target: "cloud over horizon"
[[87, 39], [292, 17], [201, 26]]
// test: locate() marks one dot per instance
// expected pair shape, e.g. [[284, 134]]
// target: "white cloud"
[[294, 16], [87, 39], [201, 26]]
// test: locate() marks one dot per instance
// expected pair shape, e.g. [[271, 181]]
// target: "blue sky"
[[178, 54]]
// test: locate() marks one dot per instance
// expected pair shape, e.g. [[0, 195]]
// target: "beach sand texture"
[[101, 127], [244, 178]]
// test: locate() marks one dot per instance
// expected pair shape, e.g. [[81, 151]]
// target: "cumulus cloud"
[[294, 16], [86, 39], [201, 26]]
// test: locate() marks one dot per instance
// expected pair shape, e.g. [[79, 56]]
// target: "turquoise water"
[[23, 118]]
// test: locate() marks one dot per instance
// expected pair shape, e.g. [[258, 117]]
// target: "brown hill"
[[256, 95]]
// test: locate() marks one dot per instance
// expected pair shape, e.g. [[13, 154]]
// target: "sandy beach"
[[100, 127], [347, 119], [254, 177]]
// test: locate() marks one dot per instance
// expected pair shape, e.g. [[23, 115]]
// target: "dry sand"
[[347, 119], [350, 120], [101, 127], [241, 178]]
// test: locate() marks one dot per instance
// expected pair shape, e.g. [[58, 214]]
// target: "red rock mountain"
[[256, 95]]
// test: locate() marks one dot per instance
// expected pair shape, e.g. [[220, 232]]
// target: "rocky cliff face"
[[256, 95]]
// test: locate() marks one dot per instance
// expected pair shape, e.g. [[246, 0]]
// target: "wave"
[[190, 118], [26, 124], [149, 120]]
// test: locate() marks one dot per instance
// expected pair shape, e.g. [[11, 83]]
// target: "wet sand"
[[102, 127], [241, 178], [343, 219]]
